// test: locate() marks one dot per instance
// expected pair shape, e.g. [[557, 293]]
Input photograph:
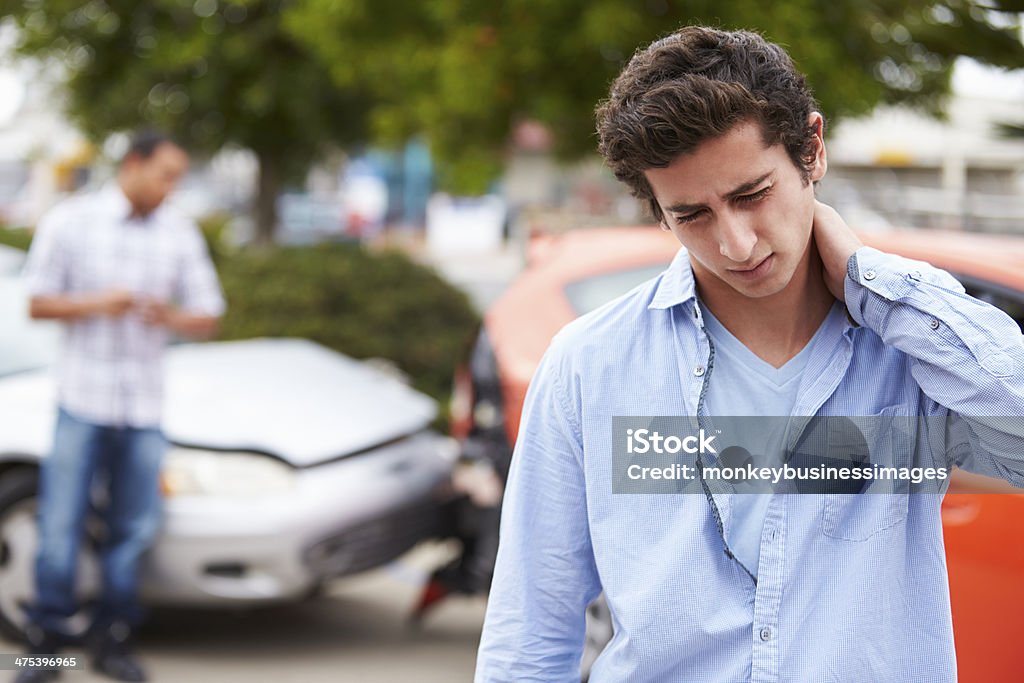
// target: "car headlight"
[[198, 472]]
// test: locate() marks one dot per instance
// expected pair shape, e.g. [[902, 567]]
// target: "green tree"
[[212, 72], [463, 71], [289, 79]]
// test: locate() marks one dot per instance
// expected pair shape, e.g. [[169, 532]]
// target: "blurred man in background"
[[123, 273]]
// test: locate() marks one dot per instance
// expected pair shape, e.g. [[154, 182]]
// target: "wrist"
[[173, 319], [90, 306]]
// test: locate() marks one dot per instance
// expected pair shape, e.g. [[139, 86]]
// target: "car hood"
[[290, 398]]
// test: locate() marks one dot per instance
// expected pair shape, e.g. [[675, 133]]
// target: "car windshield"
[[25, 344], [587, 294]]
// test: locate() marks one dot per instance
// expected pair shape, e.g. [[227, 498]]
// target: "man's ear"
[[820, 165]]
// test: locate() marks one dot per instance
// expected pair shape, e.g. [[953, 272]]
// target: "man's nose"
[[736, 237]]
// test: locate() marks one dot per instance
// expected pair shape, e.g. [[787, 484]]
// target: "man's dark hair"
[[694, 85], [145, 142]]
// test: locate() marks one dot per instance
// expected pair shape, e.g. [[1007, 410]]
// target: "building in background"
[[903, 168]]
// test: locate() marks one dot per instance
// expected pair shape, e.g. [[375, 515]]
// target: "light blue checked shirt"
[[849, 588], [110, 368]]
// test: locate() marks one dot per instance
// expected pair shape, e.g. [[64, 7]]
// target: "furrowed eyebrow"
[[742, 189]]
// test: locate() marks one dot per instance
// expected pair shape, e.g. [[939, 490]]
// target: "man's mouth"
[[757, 270]]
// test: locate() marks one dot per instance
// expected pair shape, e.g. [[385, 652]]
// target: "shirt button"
[[766, 634], [699, 371], [933, 323], [869, 275]]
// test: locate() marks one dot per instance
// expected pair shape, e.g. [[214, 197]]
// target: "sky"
[[972, 79]]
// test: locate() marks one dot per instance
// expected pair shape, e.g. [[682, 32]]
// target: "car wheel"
[[18, 540], [599, 634], [17, 548]]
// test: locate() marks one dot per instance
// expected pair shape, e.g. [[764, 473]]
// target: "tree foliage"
[[212, 72], [465, 70], [289, 78]]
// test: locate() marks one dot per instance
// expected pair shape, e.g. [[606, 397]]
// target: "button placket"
[[768, 594]]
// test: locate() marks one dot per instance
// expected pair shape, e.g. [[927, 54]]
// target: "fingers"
[[836, 243], [153, 312], [118, 302]]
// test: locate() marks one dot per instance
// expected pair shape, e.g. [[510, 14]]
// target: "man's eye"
[[756, 196], [689, 218]]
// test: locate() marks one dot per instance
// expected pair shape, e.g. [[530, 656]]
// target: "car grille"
[[376, 541]]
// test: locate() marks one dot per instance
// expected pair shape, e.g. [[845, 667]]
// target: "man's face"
[[151, 180], [741, 209]]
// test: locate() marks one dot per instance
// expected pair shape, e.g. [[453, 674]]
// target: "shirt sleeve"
[[545, 574], [966, 355], [199, 291], [46, 271]]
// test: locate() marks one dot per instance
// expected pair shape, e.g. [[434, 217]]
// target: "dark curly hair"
[[694, 85]]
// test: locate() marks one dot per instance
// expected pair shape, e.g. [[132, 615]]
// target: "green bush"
[[361, 303], [19, 238]]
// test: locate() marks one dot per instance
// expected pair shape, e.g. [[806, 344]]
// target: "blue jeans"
[[127, 460]]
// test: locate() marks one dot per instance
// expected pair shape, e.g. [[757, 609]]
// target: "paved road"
[[355, 632]]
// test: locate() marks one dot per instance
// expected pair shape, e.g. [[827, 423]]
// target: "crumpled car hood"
[[291, 398]]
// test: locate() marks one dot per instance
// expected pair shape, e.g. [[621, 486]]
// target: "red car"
[[575, 273]]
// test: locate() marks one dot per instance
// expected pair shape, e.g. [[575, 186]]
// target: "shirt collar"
[[114, 200], [119, 206], [676, 285]]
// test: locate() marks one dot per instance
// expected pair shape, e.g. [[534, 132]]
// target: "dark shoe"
[[36, 676], [40, 644], [112, 654]]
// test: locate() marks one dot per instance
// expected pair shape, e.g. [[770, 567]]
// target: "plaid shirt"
[[110, 369]]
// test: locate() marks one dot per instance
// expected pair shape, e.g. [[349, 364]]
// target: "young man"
[[123, 273], [773, 308]]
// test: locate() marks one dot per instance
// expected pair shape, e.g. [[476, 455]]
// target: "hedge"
[[361, 303], [16, 237]]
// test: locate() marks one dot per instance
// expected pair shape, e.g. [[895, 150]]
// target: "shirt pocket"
[[882, 503], [858, 517]]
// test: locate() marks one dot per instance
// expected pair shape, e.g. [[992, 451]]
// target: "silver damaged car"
[[290, 465]]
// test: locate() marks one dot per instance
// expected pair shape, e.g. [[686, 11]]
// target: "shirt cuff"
[[893, 279]]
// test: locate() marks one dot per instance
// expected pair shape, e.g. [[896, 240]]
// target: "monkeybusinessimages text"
[[646, 441]]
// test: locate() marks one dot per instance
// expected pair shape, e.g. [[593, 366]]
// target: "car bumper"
[[339, 518]]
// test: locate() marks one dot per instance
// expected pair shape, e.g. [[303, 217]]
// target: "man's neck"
[[777, 327], [135, 211]]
